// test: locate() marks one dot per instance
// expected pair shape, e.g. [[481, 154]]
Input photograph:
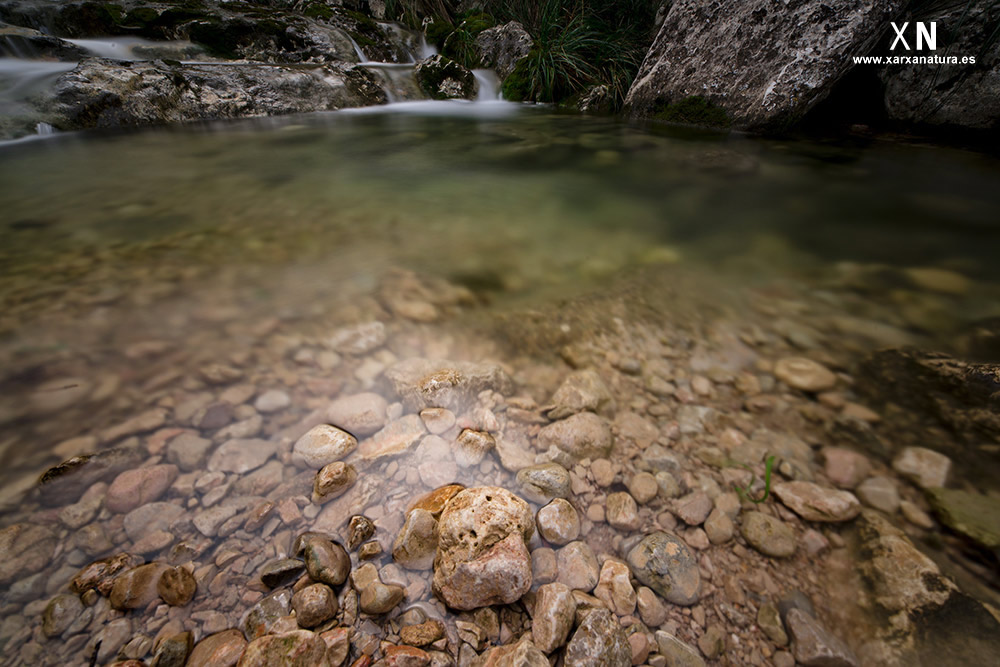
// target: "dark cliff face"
[[765, 66], [768, 67]]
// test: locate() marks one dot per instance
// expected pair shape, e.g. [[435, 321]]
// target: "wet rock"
[[173, 651], [804, 374], [845, 468], [222, 649], [150, 518], [361, 414], [422, 634], [298, 648], [503, 46], [101, 574], [599, 641], [421, 383], [314, 605], [240, 456], [471, 447], [555, 611], [615, 589], [406, 656], [666, 565], [66, 482], [713, 642], [482, 556], [327, 562], [438, 420], [133, 488], [264, 616], [541, 483], [359, 530], [379, 598], [815, 503], [643, 487], [136, 588], [622, 512], [677, 653], [769, 621], [543, 565], [176, 586], [358, 339], [880, 493], [581, 391], [106, 643], [281, 572], [522, 654], [333, 481], [443, 79], [924, 467], [396, 438], [693, 508], [584, 435], [558, 523], [60, 613], [272, 400], [188, 452], [370, 550], [321, 445], [974, 515], [24, 550], [577, 566], [416, 544], [813, 645], [768, 535]]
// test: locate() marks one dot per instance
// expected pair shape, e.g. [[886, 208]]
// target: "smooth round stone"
[[581, 390], [218, 650], [281, 572], [379, 598], [577, 566], [326, 562], [924, 467], [665, 564], [138, 587], [298, 648], [555, 611], [719, 527], [314, 605], [541, 483], [60, 614], [173, 651], [844, 467], [804, 374], [438, 420], [621, 511], [543, 565], [603, 472], [558, 522], [643, 487], [321, 445], [693, 508], [272, 401], [133, 488], [768, 535], [360, 414], [599, 641], [652, 611], [333, 481], [416, 543], [177, 586]]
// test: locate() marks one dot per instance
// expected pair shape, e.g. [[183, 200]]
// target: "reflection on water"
[[168, 293]]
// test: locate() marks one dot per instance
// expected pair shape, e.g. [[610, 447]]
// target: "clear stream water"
[[130, 260]]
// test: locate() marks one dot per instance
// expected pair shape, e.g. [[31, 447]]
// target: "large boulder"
[[960, 94], [444, 79], [110, 93], [482, 555], [503, 46], [764, 65]]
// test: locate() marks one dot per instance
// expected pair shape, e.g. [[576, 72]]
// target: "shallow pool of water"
[[207, 281]]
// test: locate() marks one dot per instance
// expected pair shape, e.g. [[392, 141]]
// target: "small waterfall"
[[357, 49], [44, 129], [489, 85]]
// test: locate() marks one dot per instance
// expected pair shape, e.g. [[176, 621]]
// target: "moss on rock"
[[694, 110]]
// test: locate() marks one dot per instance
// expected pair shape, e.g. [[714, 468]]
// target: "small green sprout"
[[745, 491]]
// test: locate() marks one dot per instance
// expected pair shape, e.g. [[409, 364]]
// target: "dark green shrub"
[[318, 10]]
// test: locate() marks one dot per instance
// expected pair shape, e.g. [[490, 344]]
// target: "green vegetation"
[[744, 492], [577, 43], [694, 110], [318, 10]]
